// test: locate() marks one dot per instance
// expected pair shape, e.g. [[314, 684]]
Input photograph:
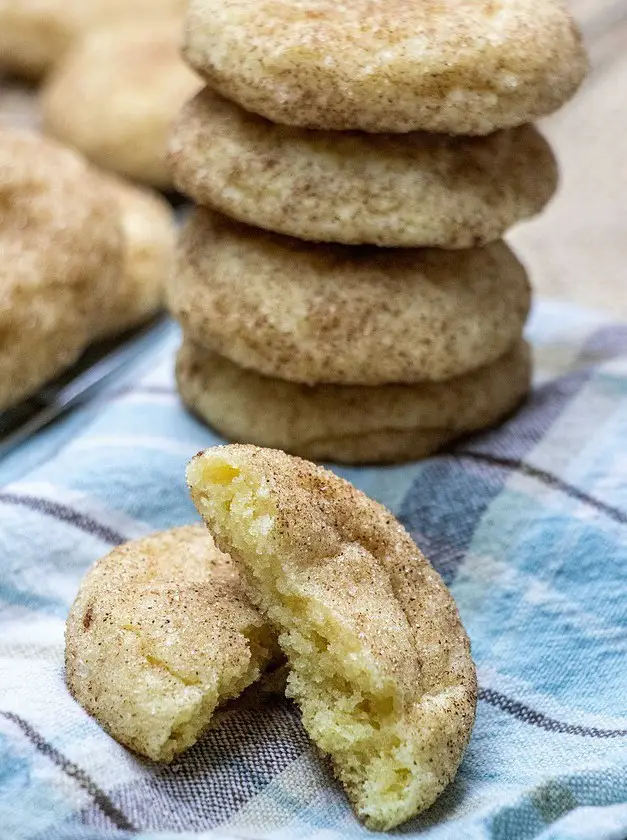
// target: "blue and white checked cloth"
[[527, 524]]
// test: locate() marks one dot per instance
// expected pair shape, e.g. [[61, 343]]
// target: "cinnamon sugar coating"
[[160, 633], [349, 423], [335, 314], [409, 190], [463, 67]]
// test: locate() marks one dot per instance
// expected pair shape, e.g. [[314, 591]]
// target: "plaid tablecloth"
[[527, 524]]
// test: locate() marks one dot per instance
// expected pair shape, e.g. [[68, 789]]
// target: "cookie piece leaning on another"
[[464, 67], [149, 231], [62, 251], [380, 663], [161, 632], [411, 190], [349, 423], [114, 96], [320, 313]]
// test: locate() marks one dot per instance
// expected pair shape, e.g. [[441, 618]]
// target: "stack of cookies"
[[355, 302]]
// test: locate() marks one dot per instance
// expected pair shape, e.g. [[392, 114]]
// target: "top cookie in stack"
[[403, 125]]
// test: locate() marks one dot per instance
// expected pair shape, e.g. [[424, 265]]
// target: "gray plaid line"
[[551, 480], [64, 513], [528, 715], [99, 797]]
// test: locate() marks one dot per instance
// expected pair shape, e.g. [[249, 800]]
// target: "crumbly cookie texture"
[[412, 190], [350, 316], [160, 634], [62, 254], [468, 67], [380, 663], [349, 423], [115, 94]]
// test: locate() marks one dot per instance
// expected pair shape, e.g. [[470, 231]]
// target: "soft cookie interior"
[[355, 666]]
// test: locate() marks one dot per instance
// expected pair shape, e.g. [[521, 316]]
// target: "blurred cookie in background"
[[35, 34], [115, 95], [149, 234], [62, 251], [84, 256]]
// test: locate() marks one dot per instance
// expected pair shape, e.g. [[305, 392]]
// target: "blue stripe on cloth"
[[528, 524]]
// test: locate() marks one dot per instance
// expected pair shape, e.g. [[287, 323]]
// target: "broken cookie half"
[[379, 661], [160, 634]]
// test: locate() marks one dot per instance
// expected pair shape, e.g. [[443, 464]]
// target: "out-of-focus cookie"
[[161, 632], [379, 661], [61, 247], [407, 191], [115, 95], [468, 67], [35, 34], [352, 316], [349, 424], [149, 242]]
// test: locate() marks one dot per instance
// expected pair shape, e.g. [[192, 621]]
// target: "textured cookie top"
[[380, 663], [349, 423], [458, 66], [330, 313], [409, 190], [115, 94], [161, 632], [61, 247]]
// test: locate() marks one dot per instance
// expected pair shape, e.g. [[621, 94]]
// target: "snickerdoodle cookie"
[[379, 661], [349, 423], [149, 242], [35, 34], [115, 95], [468, 67], [161, 632], [62, 250], [336, 314], [408, 190]]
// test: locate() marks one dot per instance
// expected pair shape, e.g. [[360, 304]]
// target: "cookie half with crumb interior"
[[411, 190], [349, 423], [379, 661], [161, 633]]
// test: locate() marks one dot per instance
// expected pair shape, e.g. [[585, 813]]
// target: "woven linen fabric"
[[528, 526]]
